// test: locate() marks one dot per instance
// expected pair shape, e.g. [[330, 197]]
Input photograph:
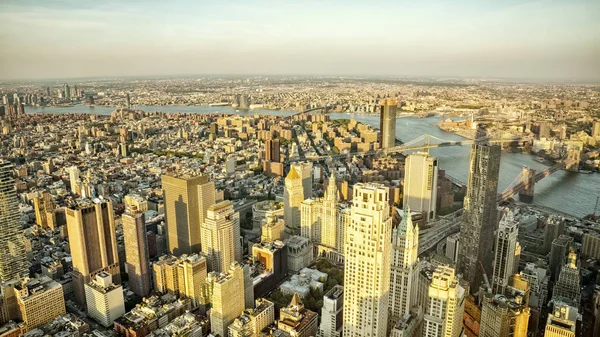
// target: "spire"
[[295, 300], [406, 222], [332, 193], [293, 174]]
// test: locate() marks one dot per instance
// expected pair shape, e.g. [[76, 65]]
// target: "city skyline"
[[543, 40]]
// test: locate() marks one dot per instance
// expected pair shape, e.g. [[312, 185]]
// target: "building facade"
[[445, 305], [137, 259], [387, 123], [104, 299], [479, 219], [505, 263], [221, 236], [332, 313], [367, 252], [293, 196], [420, 184]]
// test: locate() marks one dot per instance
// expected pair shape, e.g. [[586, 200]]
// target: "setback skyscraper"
[[420, 184], [221, 237], [13, 260], [479, 220], [293, 195], [506, 245], [367, 264]]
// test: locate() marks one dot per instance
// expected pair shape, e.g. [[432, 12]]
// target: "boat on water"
[[540, 160], [585, 172]]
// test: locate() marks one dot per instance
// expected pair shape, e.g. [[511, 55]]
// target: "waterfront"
[[568, 192]]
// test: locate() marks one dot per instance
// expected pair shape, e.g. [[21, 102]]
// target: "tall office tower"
[[185, 275], [105, 301], [558, 255], [555, 226], [506, 314], [567, 288], [367, 265], [74, 179], [293, 195], [332, 313], [227, 298], [137, 258], [91, 227], [40, 300], [13, 259], [304, 170], [319, 219], [403, 279], [67, 91], [128, 101], [296, 320], [272, 150], [186, 203], [538, 281], [387, 123], [562, 322], [445, 305], [220, 234], [479, 220], [420, 184], [506, 245]]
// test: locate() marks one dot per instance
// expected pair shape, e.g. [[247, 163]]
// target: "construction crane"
[[485, 278]]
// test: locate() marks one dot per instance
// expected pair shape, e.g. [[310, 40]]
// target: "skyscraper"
[[220, 233], [387, 123], [319, 219], [562, 322], [420, 184], [296, 320], [404, 271], [13, 260], [137, 258], [445, 305], [104, 299], [293, 195], [185, 275], [67, 92], [567, 288], [186, 203], [479, 220], [367, 265], [558, 255], [74, 179], [304, 170], [227, 298], [506, 314], [91, 227], [332, 313], [506, 245]]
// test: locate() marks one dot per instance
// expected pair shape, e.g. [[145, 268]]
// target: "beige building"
[[44, 209], [105, 301], [367, 252], [137, 201], [184, 276], [272, 229], [93, 243], [304, 169], [445, 305], [187, 200], [40, 301], [253, 321], [293, 196], [137, 259], [404, 270], [562, 322], [590, 246], [227, 298], [420, 184], [319, 219], [506, 314], [296, 320], [220, 233]]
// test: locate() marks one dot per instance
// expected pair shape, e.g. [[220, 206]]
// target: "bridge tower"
[[573, 158], [528, 181]]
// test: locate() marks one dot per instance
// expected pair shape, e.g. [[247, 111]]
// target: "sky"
[[547, 40]]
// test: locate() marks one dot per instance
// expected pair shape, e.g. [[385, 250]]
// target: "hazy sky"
[[505, 38]]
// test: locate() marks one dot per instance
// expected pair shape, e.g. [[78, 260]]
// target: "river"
[[569, 192]]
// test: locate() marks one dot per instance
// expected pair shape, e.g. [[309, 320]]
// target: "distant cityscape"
[[299, 207]]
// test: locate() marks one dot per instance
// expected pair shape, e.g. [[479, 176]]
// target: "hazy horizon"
[[535, 40]]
